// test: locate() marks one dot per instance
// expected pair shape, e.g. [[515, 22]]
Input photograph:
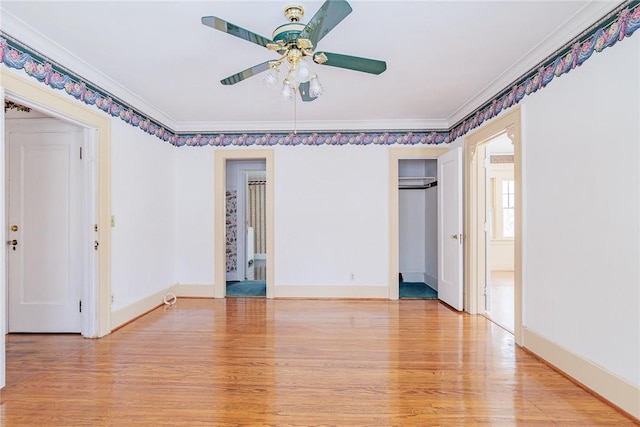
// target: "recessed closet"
[[418, 225]]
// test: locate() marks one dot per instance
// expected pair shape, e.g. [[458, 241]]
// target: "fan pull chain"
[[295, 113]]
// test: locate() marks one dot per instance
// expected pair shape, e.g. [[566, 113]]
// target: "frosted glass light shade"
[[270, 79], [302, 72], [315, 88], [287, 91]]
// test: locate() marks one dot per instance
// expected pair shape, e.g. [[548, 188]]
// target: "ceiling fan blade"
[[234, 30], [356, 63], [304, 92], [327, 17], [249, 72]]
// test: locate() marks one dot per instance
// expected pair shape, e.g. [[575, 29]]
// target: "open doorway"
[[493, 216], [246, 250], [242, 166], [500, 205]]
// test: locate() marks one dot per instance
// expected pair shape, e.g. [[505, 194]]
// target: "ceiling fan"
[[295, 42]]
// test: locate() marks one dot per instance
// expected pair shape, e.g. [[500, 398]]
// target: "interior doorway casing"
[[221, 157], [96, 322], [509, 123], [395, 155]]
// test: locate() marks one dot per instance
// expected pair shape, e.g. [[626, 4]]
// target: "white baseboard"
[[413, 276], [431, 281], [193, 291], [332, 291], [608, 385], [127, 314]]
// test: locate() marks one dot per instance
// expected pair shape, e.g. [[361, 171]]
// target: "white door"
[[3, 275], [450, 236], [44, 236]]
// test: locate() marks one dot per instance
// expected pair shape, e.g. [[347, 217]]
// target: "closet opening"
[[418, 229]]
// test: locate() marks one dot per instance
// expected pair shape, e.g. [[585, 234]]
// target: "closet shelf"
[[416, 182]]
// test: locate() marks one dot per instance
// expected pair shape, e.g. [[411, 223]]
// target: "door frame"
[[220, 157], [395, 155], [511, 124], [87, 207], [97, 318]]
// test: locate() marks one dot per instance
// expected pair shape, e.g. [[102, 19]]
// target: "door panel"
[[45, 264], [450, 236]]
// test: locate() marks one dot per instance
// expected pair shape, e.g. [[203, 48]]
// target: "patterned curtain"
[[232, 230], [257, 215]]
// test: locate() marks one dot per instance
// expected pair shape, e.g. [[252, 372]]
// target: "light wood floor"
[[502, 299], [258, 362]]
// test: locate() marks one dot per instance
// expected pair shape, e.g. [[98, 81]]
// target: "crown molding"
[[607, 30], [37, 41], [579, 22], [313, 125]]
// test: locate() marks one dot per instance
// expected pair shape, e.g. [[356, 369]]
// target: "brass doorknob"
[[14, 228]]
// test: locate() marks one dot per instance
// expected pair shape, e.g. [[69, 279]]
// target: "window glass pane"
[[508, 222]]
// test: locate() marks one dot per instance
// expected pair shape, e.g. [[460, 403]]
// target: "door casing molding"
[[35, 95], [220, 158], [511, 124], [396, 154]]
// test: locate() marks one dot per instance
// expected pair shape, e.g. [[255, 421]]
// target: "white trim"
[[314, 125], [220, 158], [193, 291], [33, 94], [395, 155], [474, 272], [431, 281], [3, 254], [332, 291], [608, 385], [138, 308], [90, 291], [413, 276]]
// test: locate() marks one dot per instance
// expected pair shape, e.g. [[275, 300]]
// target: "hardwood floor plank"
[[261, 362]]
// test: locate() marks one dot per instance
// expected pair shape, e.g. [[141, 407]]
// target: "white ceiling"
[[444, 58]]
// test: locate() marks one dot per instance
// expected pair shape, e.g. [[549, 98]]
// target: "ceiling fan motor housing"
[[288, 33]]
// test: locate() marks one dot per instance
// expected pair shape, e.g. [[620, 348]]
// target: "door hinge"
[[80, 306], [95, 245], [80, 153]]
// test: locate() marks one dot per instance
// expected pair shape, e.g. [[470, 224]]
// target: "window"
[[502, 189], [507, 208]]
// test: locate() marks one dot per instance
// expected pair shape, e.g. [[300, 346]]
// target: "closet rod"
[[419, 187]]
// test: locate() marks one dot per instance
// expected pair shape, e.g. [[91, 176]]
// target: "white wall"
[[582, 208], [331, 216], [143, 203], [194, 202], [411, 234]]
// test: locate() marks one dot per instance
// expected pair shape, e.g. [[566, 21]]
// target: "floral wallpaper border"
[[621, 23]]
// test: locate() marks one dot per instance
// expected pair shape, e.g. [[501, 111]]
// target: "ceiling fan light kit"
[[295, 43]]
